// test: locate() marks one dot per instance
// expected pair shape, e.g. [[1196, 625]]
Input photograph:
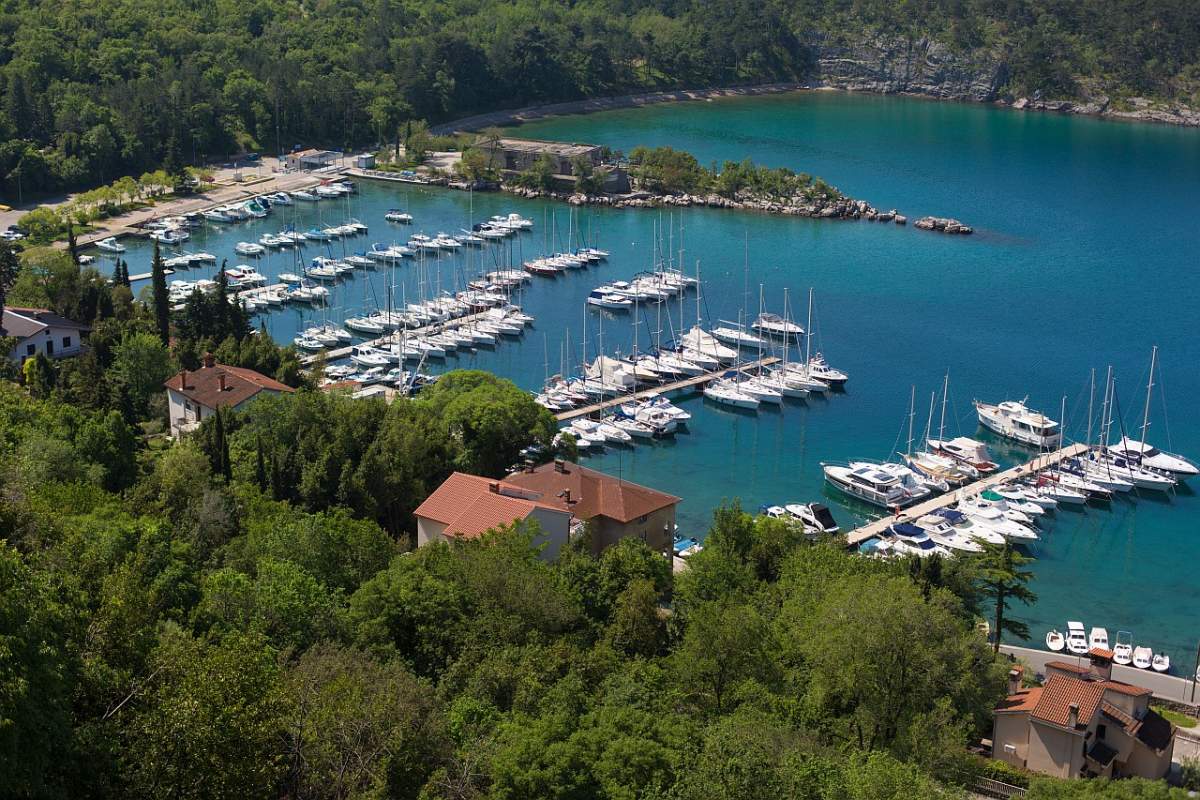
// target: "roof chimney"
[[221, 381], [494, 487], [1073, 716], [183, 379], [1014, 679], [1101, 668], [560, 465], [208, 360]]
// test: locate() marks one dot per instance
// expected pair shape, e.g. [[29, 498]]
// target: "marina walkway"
[[860, 535], [1165, 687], [674, 386]]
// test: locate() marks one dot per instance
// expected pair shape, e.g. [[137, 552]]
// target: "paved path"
[[1166, 687]]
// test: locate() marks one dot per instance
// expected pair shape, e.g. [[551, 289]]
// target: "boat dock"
[[674, 386], [393, 337], [1165, 687], [861, 534]]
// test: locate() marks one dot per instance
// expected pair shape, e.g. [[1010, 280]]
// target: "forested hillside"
[[90, 91]]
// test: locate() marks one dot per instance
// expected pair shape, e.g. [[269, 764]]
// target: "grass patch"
[[1182, 720]]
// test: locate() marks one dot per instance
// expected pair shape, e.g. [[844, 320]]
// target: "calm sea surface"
[[1085, 254]]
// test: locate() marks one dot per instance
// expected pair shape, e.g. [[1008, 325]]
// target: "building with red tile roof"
[[1081, 723], [613, 508], [195, 395], [465, 506]]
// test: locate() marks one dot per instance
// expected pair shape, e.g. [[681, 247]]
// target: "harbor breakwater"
[[833, 208]]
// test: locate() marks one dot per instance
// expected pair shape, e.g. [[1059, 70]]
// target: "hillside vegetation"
[[93, 91]]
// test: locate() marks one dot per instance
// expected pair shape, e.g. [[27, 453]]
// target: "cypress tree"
[[260, 468], [162, 307], [72, 244]]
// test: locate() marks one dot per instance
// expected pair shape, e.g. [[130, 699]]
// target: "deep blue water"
[[1084, 255]]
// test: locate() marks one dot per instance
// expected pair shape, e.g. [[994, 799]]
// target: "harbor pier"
[[664, 388], [913, 512]]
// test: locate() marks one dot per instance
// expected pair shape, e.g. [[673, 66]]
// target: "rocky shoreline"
[[839, 208]]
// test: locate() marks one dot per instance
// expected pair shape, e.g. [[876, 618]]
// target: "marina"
[[879, 291]]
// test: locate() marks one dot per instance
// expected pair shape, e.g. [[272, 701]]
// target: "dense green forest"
[[239, 614], [93, 91]]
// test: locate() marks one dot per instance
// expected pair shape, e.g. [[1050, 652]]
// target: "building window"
[[49, 347], [30, 349], [644, 517], [1100, 731], [66, 343]]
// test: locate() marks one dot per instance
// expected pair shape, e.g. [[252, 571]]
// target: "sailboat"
[[1146, 455], [935, 466]]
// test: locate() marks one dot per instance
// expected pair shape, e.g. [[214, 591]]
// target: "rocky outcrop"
[[1139, 109], [890, 65], [942, 225]]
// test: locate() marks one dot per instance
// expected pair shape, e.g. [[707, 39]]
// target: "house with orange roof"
[[195, 395], [1081, 723], [466, 506]]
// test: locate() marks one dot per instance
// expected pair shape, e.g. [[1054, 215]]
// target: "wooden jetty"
[[861, 534], [674, 386]]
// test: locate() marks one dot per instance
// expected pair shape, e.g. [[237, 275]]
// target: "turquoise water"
[[1084, 256]]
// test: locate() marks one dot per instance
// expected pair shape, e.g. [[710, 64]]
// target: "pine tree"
[[162, 307], [1002, 579]]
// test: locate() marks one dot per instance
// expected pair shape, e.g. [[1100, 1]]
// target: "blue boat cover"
[[907, 529]]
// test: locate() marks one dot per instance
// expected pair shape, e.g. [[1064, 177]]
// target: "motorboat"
[[289, 277], [1098, 638], [603, 299], [975, 528], [815, 516], [170, 236], [280, 198], [909, 480], [1012, 419], [366, 356], [939, 468], [799, 376], [1077, 641], [396, 215], [1055, 641], [110, 245], [775, 325], [1149, 456], [613, 433], [1022, 512], [1016, 495], [729, 393], [779, 382], [994, 519], [306, 343], [965, 450], [910, 539], [1143, 657], [820, 370], [869, 483], [943, 533], [1044, 486], [1123, 649], [634, 427], [249, 249], [1161, 662]]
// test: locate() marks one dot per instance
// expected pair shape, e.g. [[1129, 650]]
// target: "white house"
[[38, 330], [466, 506], [195, 395]]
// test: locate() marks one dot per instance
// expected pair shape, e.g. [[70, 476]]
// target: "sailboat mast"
[[1149, 388], [1091, 409], [808, 331], [929, 420], [942, 421], [912, 412]]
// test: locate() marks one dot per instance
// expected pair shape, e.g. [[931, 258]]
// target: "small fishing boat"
[[1055, 641], [1123, 649], [110, 245], [1143, 657], [1077, 641], [1098, 638], [1161, 662]]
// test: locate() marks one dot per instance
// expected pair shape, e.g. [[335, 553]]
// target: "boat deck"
[[861, 534], [686, 383]]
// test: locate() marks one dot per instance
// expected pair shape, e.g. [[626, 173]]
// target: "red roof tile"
[[467, 506], [1024, 700], [203, 385], [1127, 688], [1067, 666], [1100, 652], [587, 493], [1060, 692]]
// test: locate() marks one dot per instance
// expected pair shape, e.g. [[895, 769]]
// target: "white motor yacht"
[[110, 245], [870, 483], [815, 516], [775, 325], [910, 539], [995, 520], [1014, 420], [818, 369], [1143, 657], [1098, 638], [945, 534], [1077, 641], [976, 529]]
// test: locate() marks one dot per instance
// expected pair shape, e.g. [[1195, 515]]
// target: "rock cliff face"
[[891, 65]]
